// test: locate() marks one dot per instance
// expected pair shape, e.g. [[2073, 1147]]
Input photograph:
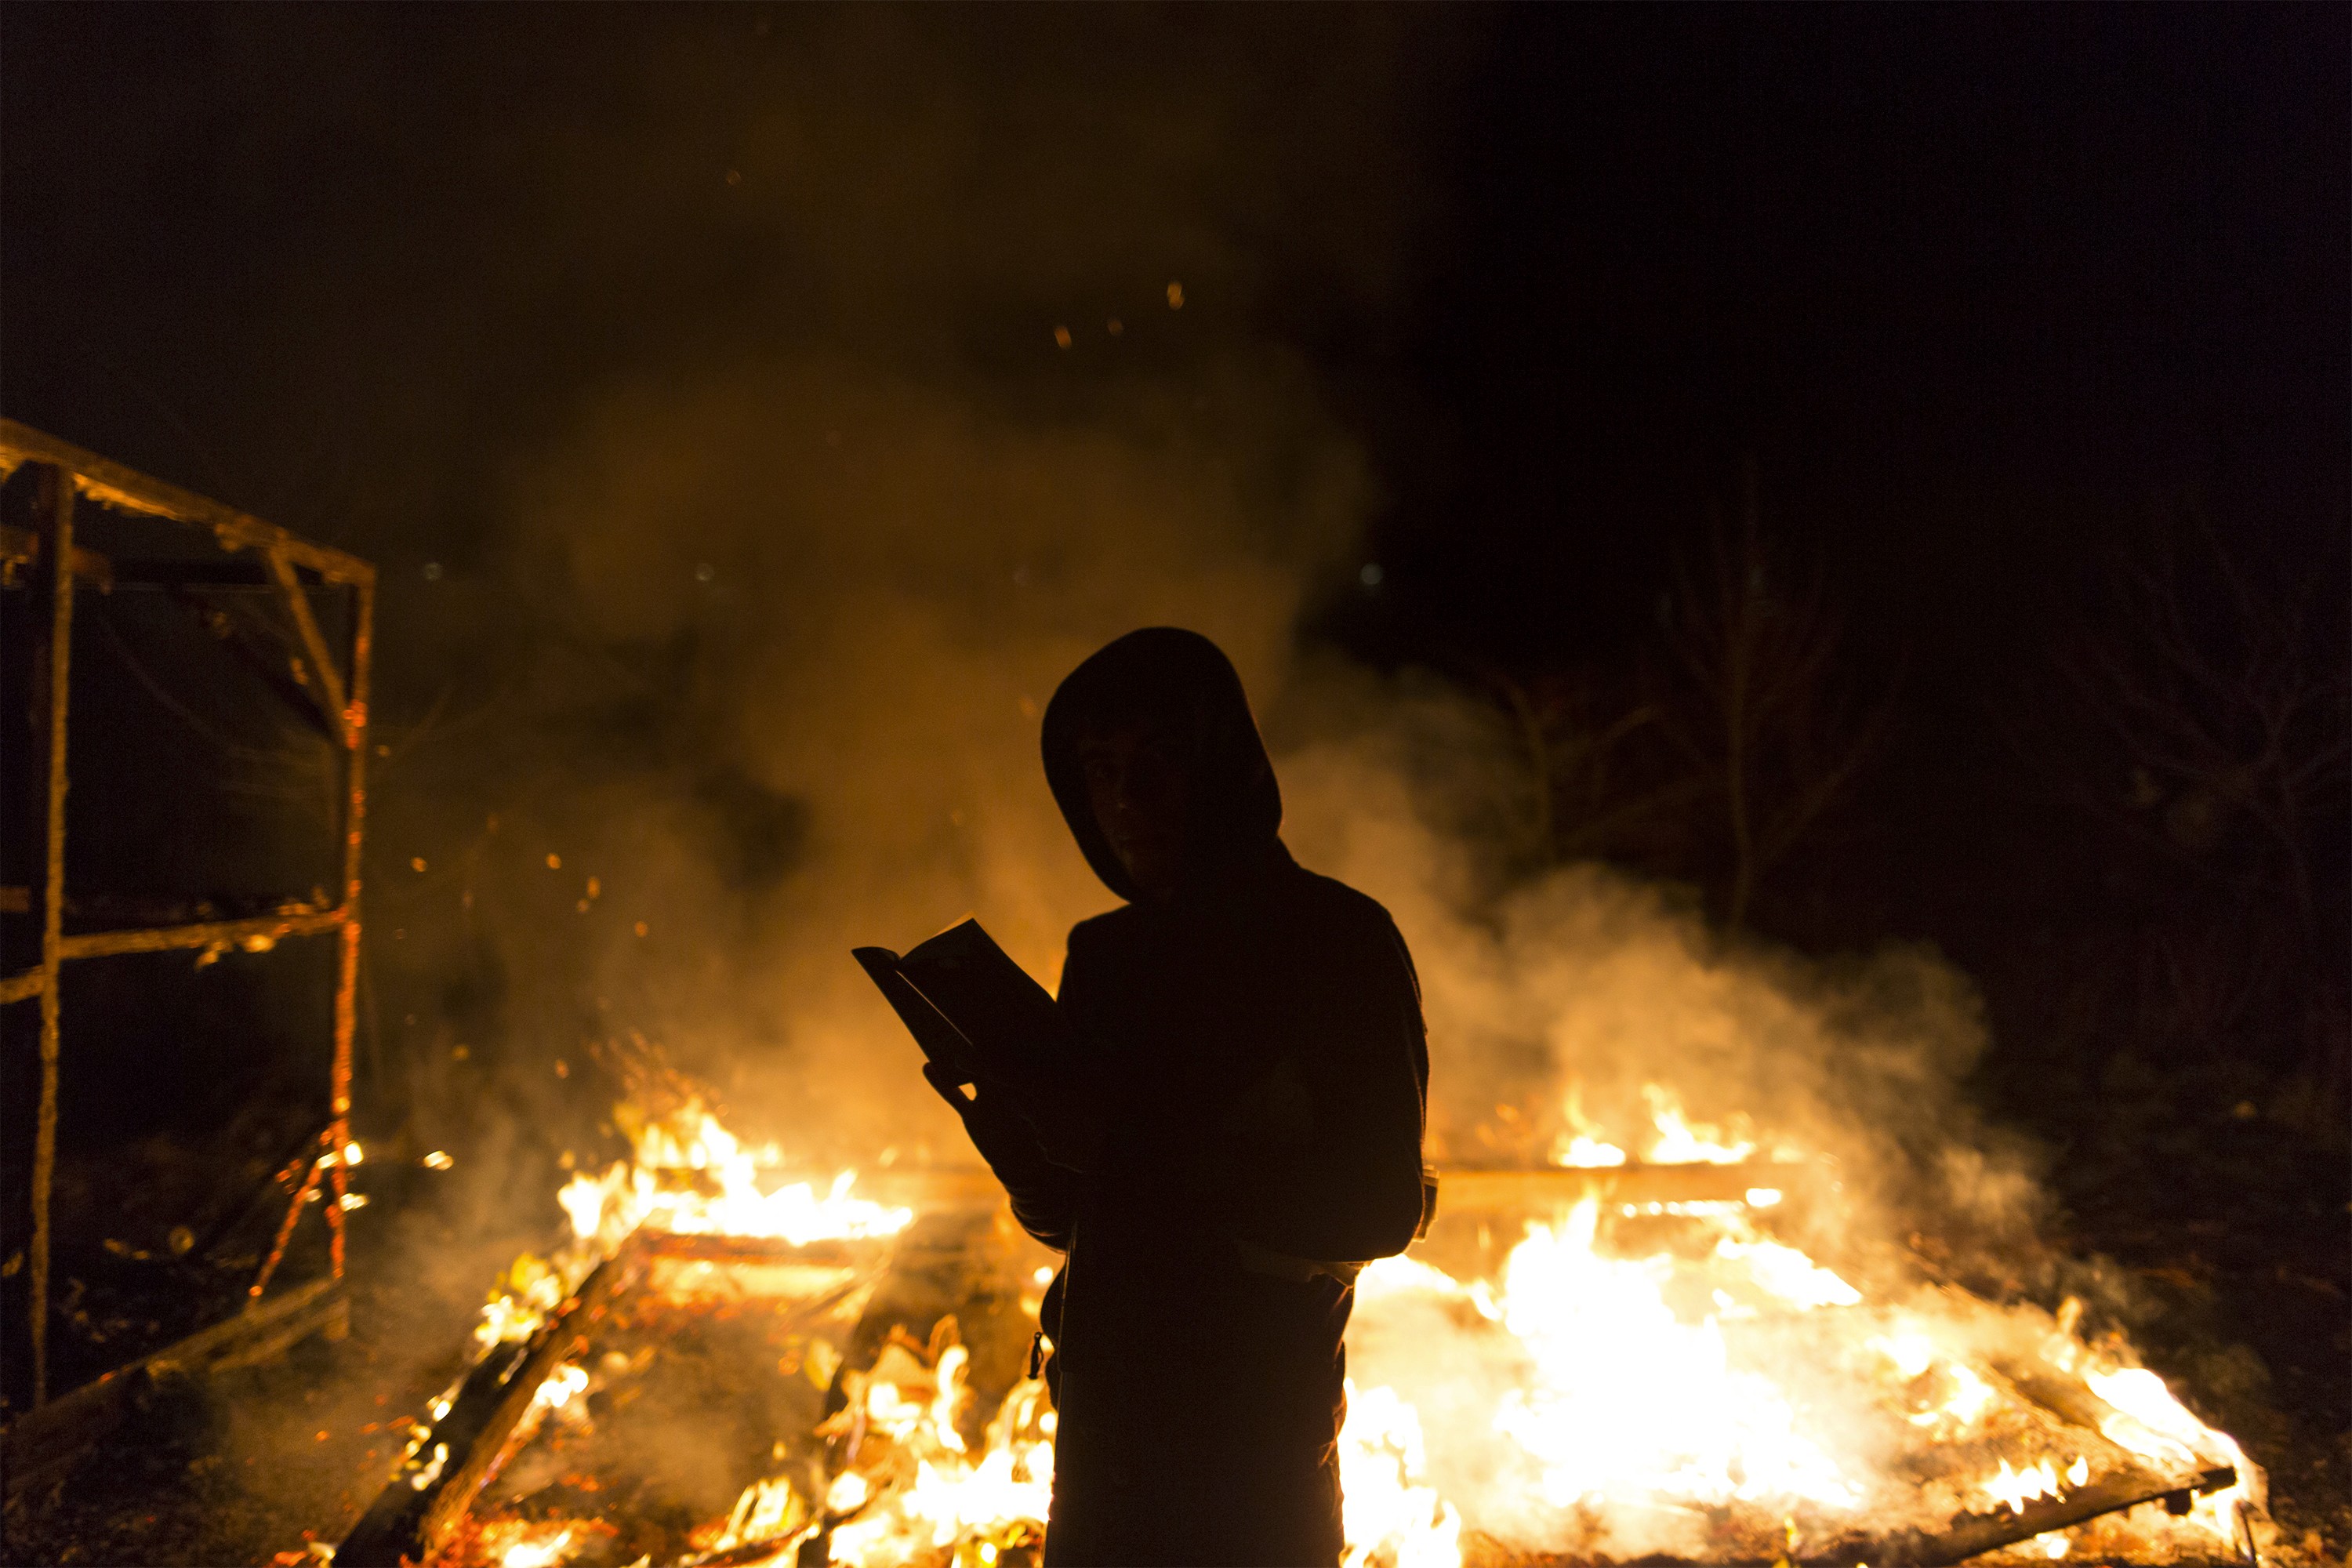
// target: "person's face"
[[1136, 779]]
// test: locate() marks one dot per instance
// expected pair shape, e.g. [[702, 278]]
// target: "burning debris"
[[719, 1372]]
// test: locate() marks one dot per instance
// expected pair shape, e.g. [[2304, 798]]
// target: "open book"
[[971, 1009]]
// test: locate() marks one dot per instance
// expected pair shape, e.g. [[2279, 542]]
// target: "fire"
[[1603, 1392], [1674, 1140], [538, 1544], [689, 1176], [913, 1489], [691, 1142], [1615, 1403], [1618, 1375], [2150, 1422], [2014, 1488], [1387, 1509]]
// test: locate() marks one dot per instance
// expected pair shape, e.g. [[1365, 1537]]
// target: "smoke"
[[882, 365], [881, 583], [761, 411], [1587, 978], [756, 413]]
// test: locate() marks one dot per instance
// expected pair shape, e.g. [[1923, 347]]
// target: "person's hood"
[[1235, 810]]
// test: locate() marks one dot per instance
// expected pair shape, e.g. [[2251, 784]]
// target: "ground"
[[2240, 1297]]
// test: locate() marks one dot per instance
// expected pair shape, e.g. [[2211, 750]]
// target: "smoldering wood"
[[44, 1444]]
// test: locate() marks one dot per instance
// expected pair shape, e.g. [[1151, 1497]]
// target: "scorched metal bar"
[[347, 954], [58, 569], [227, 933], [326, 682], [113, 484], [286, 1227]]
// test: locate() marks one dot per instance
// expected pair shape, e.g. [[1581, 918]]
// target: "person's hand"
[[950, 1086], [993, 1113]]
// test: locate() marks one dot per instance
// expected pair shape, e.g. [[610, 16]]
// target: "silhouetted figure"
[[1249, 1134]]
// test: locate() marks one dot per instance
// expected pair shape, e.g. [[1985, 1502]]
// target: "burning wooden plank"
[[438, 1480], [1972, 1535], [1760, 1183], [478, 1428]]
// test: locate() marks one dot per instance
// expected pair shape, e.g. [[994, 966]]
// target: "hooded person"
[[1243, 1133]]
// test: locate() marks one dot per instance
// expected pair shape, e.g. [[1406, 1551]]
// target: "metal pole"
[[354, 729], [53, 906]]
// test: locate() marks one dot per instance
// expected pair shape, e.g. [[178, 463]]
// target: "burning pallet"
[[867, 1368]]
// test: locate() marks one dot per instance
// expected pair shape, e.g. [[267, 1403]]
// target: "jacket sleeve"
[[1043, 1195], [1348, 1185]]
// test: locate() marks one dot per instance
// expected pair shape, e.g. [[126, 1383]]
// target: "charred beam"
[[45, 1443], [1972, 1534], [439, 1482]]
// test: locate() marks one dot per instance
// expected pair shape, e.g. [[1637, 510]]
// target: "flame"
[[720, 1195], [562, 1385], [519, 1303], [1387, 1510], [1682, 1143], [2014, 1488], [1674, 1139], [1588, 1152], [1723, 1377], [635, 1192], [2153, 1423], [996, 1502], [1607, 1416], [536, 1544], [1916, 1359], [541, 1553]]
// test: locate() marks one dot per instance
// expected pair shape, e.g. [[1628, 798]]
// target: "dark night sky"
[[1957, 280], [1974, 290], [1963, 283]]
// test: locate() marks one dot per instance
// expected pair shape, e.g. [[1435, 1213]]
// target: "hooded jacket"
[[1254, 1056]]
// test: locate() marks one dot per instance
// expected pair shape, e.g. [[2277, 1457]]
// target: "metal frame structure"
[[338, 688]]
